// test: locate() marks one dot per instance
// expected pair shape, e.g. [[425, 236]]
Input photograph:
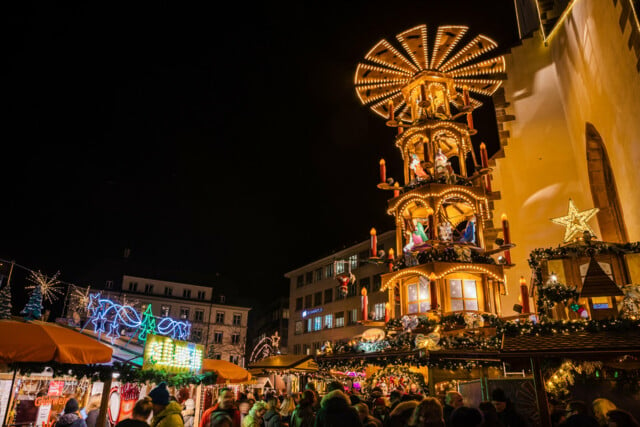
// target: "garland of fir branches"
[[128, 373]]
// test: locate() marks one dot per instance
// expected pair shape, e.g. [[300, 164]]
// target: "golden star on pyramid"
[[575, 222]]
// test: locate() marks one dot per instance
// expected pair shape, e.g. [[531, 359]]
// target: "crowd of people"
[[342, 408]]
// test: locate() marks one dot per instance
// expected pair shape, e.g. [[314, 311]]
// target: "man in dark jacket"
[[224, 408], [506, 412], [71, 418], [452, 400], [335, 411], [578, 415], [271, 418]]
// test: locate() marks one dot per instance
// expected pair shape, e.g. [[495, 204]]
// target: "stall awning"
[[36, 341], [227, 371], [287, 362]]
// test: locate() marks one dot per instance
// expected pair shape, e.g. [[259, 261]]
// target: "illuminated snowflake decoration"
[[50, 286]]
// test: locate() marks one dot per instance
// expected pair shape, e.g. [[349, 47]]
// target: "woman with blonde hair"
[[428, 413], [286, 409], [93, 410], [600, 408], [254, 418]]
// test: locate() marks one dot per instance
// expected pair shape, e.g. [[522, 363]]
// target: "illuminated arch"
[[463, 268]]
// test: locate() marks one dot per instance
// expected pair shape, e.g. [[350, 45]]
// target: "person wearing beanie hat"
[[506, 412], [166, 413], [71, 418]]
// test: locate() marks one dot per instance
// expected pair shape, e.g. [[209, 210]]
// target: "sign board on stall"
[[173, 356], [55, 388], [5, 393]]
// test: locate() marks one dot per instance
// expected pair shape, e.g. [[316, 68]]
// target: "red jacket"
[[206, 416]]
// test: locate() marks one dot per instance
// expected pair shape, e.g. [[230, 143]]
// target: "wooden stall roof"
[[585, 344], [597, 283], [286, 362]]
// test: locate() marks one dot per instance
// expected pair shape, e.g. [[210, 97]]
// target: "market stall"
[[38, 358], [287, 371]]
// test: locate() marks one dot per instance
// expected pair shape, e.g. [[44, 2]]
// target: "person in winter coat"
[[428, 413], [287, 407], [224, 408], [254, 419], [272, 416], [71, 417], [506, 412], [363, 413], [166, 413], [335, 411], [303, 415], [400, 415], [93, 410], [141, 411]]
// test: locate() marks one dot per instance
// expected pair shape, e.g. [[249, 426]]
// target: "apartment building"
[[318, 310], [220, 327]]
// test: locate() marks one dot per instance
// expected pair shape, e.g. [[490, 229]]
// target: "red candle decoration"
[[365, 305], [433, 291], [392, 113], [507, 237], [423, 92], [396, 189], [465, 95], [484, 159], [383, 171], [374, 242], [524, 295], [470, 121], [387, 308]]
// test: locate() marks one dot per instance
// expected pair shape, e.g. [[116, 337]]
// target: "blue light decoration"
[[109, 317]]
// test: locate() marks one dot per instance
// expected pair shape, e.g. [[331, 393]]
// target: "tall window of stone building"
[[168, 291], [298, 304], [318, 274], [309, 277], [328, 270], [220, 317], [198, 316], [165, 310], [186, 293], [299, 281], [603, 189], [328, 295]]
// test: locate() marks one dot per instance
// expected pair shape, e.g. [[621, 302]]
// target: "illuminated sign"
[[164, 353], [55, 388], [50, 401], [312, 311], [110, 317]]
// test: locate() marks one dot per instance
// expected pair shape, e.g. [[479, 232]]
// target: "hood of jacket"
[[401, 407], [67, 419], [270, 414], [335, 399], [171, 409]]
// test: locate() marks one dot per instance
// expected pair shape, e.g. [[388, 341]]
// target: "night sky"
[[223, 146]]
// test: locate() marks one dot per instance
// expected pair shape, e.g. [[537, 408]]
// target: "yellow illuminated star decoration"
[[575, 222]]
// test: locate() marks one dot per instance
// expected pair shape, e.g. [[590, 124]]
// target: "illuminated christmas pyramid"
[[444, 262]]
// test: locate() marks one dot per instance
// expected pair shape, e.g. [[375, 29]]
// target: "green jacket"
[[171, 416]]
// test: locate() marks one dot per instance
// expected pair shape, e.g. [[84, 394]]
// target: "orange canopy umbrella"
[[36, 341], [227, 371]]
